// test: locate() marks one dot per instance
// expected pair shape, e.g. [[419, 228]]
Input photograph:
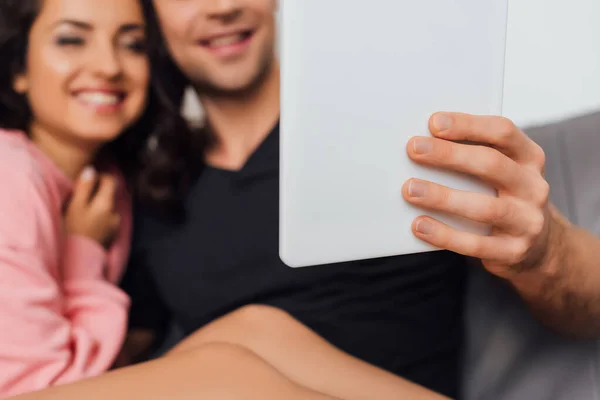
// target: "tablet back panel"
[[359, 78]]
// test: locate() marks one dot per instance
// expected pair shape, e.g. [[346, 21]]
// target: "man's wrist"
[[550, 268]]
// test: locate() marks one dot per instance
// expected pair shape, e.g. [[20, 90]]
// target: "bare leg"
[[304, 357], [209, 372]]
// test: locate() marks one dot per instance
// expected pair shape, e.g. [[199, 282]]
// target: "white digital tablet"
[[359, 79]]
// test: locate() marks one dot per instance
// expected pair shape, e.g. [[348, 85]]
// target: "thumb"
[[84, 186]]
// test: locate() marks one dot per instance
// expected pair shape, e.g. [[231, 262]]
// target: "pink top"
[[62, 316]]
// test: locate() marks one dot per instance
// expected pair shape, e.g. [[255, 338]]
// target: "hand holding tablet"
[[501, 155]]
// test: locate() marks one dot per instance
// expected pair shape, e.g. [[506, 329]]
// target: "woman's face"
[[87, 74]]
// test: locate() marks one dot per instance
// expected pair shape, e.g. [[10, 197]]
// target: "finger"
[[507, 214], [489, 248], [114, 223], [483, 162], [499, 132], [84, 187], [105, 195], [115, 220]]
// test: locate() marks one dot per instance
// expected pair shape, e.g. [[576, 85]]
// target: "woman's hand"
[[91, 212]]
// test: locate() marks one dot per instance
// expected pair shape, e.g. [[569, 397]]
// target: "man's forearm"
[[564, 292]]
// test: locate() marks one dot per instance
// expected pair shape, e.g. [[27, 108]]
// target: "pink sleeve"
[[96, 308], [60, 324]]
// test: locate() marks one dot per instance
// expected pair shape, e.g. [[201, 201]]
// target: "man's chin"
[[227, 88], [233, 84]]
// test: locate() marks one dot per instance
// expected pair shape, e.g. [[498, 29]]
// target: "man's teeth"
[[226, 40], [100, 99]]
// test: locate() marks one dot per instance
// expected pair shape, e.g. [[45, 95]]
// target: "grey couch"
[[509, 355]]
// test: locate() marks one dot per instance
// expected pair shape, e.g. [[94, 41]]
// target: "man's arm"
[[564, 290], [550, 262]]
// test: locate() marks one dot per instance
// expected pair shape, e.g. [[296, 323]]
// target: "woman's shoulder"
[[19, 165], [23, 195], [18, 170], [14, 149]]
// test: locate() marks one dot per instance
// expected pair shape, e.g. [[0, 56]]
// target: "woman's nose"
[[105, 62]]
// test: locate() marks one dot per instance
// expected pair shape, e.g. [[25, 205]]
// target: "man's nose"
[[227, 10]]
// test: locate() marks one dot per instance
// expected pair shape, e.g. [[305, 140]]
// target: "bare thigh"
[[212, 371], [304, 357]]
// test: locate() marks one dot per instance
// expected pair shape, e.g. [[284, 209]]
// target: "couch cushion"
[[509, 354]]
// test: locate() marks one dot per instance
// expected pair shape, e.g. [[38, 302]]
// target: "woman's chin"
[[96, 138]]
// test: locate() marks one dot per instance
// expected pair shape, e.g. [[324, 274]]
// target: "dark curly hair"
[[158, 154]]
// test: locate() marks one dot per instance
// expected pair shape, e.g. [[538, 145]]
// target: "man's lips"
[[228, 44], [227, 39]]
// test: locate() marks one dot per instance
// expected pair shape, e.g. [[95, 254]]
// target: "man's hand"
[[552, 264], [504, 157]]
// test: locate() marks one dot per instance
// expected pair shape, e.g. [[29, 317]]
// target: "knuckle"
[[103, 205], [108, 181], [518, 252], [443, 239], [105, 198], [476, 248], [543, 194], [504, 128], [104, 202], [458, 158], [491, 162], [502, 210], [537, 223], [467, 122], [443, 150], [539, 156], [441, 196], [109, 190]]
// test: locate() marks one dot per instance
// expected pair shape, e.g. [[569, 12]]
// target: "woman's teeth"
[[99, 99], [227, 40]]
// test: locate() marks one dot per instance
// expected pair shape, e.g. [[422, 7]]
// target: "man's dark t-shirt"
[[403, 314]]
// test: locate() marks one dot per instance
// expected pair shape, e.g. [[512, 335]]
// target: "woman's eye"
[[69, 41], [137, 46]]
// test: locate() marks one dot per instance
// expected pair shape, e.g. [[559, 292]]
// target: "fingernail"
[[88, 173], [424, 227], [422, 146], [416, 188], [442, 122]]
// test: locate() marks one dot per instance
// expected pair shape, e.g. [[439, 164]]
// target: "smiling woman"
[[91, 62], [84, 80], [77, 111]]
